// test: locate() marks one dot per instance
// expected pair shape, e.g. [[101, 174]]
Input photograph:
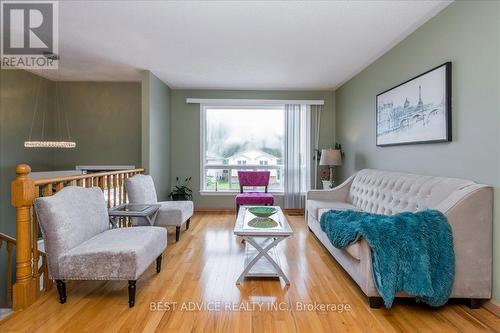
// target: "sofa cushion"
[[174, 213], [314, 206], [116, 254], [254, 198], [354, 250]]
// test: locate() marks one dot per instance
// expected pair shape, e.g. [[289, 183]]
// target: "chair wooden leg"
[[177, 233], [375, 302], [61, 288], [187, 224], [131, 293], [158, 263]]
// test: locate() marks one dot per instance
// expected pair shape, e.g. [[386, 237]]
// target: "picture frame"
[[416, 111]]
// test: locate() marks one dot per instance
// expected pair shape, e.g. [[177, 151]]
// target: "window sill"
[[228, 193]]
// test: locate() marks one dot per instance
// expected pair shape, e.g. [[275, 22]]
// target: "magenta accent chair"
[[254, 178]]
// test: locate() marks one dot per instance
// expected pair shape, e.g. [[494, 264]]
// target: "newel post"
[[22, 196]]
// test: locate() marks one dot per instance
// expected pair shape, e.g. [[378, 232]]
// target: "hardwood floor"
[[202, 269]]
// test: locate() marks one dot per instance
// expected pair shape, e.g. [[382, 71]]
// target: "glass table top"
[[248, 223]]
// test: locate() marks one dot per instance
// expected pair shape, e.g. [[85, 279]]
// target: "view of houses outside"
[[250, 140]]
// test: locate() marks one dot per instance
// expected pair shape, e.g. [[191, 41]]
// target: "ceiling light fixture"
[[49, 144], [63, 143]]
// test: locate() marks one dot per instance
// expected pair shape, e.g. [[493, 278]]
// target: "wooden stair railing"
[[24, 191], [10, 243]]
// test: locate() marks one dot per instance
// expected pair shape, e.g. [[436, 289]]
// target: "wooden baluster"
[[125, 176], [47, 283], [108, 186], [34, 235], [101, 183], [10, 247], [95, 181], [23, 193], [79, 182], [126, 219], [59, 186], [47, 190], [8, 296], [114, 190], [120, 190]]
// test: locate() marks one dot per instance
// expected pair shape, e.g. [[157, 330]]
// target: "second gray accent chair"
[[141, 190], [81, 246]]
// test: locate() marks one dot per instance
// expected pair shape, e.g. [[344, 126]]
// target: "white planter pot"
[[326, 184]]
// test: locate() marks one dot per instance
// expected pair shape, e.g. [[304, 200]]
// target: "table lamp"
[[331, 158]]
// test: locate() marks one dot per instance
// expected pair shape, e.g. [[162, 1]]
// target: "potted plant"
[[182, 191]]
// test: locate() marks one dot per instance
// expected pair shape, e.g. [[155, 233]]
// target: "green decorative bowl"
[[262, 211], [262, 222]]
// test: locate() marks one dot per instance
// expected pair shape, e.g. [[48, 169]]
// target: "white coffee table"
[[261, 259]]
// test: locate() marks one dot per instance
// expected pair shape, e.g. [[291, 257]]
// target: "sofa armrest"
[[470, 213], [460, 196], [339, 193]]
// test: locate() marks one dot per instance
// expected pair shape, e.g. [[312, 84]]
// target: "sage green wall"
[[104, 120], [155, 132], [18, 91], [185, 135], [468, 34]]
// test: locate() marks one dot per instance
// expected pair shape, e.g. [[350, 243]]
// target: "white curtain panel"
[[301, 138], [293, 196], [315, 121]]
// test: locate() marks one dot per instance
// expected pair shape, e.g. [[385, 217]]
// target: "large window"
[[241, 138]]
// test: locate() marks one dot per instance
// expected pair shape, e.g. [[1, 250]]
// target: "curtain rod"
[[236, 101]]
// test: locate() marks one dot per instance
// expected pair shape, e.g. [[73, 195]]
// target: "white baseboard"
[[292, 212], [215, 210]]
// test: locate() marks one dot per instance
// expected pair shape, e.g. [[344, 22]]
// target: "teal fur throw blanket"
[[411, 252]]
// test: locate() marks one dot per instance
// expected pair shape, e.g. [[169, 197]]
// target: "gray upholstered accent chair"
[[141, 190], [81, 246]]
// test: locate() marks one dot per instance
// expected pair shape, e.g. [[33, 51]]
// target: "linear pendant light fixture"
[[63, 143], [49, 144]]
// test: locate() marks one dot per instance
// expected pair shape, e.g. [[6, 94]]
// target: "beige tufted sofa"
[[467, 205]]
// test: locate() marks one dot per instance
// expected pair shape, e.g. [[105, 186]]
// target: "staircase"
[[7, 244]]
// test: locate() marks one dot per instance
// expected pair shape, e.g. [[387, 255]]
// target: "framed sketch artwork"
[[416, 111]]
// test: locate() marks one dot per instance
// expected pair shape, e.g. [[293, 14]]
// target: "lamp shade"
[[330, 157]]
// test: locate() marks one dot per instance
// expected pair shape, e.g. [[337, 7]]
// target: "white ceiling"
[[232, 45]]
